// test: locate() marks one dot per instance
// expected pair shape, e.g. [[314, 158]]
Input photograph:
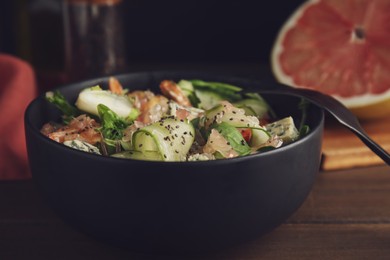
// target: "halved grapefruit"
[[341, 48]]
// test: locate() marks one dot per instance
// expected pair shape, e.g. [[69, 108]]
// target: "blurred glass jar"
[[94, 38]]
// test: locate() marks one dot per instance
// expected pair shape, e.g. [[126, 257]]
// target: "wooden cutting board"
[[342, 149]]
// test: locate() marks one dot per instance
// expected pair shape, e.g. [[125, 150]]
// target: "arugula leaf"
[[226, 91], [214, 85], [234, 137], [303, 128], [57, 99], [112, 126], [266, 149]]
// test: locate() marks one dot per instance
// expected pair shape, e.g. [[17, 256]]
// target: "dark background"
[[155, 31]]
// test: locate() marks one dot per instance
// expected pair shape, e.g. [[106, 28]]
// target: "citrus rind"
[[364, 106]]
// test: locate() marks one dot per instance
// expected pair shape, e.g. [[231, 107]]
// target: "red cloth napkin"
[[17, 89]]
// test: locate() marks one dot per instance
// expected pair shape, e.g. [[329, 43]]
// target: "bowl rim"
[[93, 81]]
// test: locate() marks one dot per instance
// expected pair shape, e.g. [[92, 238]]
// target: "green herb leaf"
[[305, 129], [112, 125], [265, 149], [303, 106], [226, 91], [234, 138], [57, 99]]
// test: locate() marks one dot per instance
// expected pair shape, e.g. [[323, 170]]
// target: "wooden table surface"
[[346, 216]]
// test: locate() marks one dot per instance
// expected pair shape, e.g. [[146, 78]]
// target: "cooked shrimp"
[[155, 109], [171, 90], [82, 128], [115, 86], [49, 128], [152, 107], [140, 98], [182, 113]]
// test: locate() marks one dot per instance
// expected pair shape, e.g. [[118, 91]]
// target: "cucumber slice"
[[248, 110], [258, 105], [172, 138], [285, 129], [188, 90], [259, 137], [208, 99], [143, 141], [138, 155], [186, 85]]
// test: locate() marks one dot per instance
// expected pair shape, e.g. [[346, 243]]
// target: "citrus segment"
[[341, 48]]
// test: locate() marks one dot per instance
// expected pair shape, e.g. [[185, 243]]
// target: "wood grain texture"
[[343, 150], [361, 195], [346, 216]]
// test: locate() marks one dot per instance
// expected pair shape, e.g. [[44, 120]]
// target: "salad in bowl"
[[187, 120], [236, 164]]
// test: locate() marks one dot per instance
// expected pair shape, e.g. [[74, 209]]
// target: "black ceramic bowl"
[[170, 207]]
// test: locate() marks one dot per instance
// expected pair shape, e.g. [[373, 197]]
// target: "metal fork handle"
[[342, 114]]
